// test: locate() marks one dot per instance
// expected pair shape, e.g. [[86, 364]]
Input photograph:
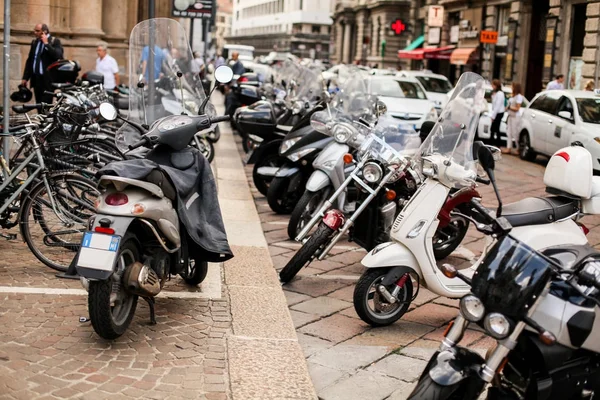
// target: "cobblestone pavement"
[[347, 358]]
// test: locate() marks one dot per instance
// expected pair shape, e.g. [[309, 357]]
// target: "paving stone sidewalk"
[[348, 359]]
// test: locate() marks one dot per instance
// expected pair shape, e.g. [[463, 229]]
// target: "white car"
[[338, 73], [436, 86], [484, 129], [405, 99], [560, 118]]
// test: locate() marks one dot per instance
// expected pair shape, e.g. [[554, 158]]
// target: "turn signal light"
[[138, 209], [101, 229], [547, 338], [116, 199], [390, 195], [583, 228], [348, 158], [449, 271]]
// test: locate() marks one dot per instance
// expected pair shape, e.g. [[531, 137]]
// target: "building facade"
[[223, 23], [301, 27], [526, 41]]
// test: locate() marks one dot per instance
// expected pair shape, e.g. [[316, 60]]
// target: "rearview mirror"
[[380, 108], [565, 115], [223, 74], [108, 111], [486, 159]]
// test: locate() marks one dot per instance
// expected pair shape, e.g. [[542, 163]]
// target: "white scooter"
[[385, 290]]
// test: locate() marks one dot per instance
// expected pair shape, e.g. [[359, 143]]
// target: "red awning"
[[463, 56], [430, 53]]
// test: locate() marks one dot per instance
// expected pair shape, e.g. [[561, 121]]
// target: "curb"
[[265, 360]]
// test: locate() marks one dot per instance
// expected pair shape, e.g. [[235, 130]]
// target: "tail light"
[[243, 79], [116, 199], [101, 229], [583, 228]]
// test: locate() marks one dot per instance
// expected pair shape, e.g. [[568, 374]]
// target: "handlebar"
[[218, 119], [145, 140], [587, 278], [482, 180]]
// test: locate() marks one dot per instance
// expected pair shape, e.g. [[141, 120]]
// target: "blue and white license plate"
[[98, 251]]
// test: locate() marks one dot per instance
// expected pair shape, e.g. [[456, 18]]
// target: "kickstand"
[[151, 302]]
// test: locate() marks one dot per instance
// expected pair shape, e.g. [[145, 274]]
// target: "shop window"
[[503, 16], [316, 29], [579, 18]]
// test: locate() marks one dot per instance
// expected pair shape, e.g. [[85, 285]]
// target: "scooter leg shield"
[[391, 254], [120, 226], [317, 181]]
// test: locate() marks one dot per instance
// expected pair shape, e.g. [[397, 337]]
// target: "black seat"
[[160, 179], [539, 210], [62, 85]]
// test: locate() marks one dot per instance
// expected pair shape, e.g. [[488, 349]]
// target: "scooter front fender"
[[391, 254], [287, 171], [456, 371], [318, 180], [120, 226]]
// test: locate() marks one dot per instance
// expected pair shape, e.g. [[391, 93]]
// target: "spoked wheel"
[[447, 239], [55, 239], [195, 272], [307, 253], [272, 160], [110, 306], [372, 307], [307, 206]]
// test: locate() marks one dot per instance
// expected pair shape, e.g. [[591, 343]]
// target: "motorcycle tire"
[[270, 160], [215, 135], [363, 294], [307, 252], [298, 214], [278, 197], [195, 272], [427, 389], [105, 323], [207, 149], [455, 231]]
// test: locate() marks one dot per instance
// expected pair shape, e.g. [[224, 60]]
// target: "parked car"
[[559, 118], [436, 86], [405, 99]]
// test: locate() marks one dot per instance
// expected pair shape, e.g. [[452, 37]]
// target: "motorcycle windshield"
[[309, 85], [453, 135], [391, 142], [160, 57]]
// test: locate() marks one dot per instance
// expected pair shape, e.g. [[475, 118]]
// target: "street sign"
[[193, 8], [490, 37], [454, 32], [434, 36], [436, 16], [398, 26]]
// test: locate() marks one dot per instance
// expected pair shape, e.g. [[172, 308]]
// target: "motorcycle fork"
[[359, 210]]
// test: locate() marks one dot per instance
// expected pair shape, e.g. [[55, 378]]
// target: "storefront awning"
[[418, 42], [463, 56], [429, 53]]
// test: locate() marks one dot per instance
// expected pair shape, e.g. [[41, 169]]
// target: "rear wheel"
[[307, 253], [525, 150], [372, 307], [307, 206], [447, 239], [110, 306]]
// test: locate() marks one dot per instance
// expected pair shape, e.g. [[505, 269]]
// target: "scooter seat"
[[160, 179], [539, 210]]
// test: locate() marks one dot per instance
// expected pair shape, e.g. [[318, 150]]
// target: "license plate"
[[98, 251]]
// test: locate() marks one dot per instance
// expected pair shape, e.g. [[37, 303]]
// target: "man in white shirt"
[[108, 67], [556, 84], [197, 63]]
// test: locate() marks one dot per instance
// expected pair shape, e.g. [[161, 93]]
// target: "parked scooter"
[[139, 236], [445, 161], [538, 305]]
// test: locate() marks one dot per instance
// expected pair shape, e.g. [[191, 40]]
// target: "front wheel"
[[207, 149], [195, 272], [279, 197], [447, 239], [427, 389], [307, 252], [110, 306], [307, 206], [270, 160], [372, 307]]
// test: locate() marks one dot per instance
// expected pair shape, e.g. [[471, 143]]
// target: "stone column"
[[86, 22], [339, 40], [591, 42], [114, 24], [347, 40], [490, 23]]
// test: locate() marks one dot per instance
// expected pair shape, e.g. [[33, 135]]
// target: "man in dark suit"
[[45, 50]]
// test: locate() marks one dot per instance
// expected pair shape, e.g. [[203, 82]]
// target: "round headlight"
[[297, 107], [341, 134], [472, 308], [372, 172], [497, 325]]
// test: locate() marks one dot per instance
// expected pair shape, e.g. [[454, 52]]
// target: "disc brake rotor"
[[381, 305]]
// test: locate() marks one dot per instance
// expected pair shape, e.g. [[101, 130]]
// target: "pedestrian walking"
[[498, 108], [107, 66], [159, 56], [45, 50], [557, 83], [514, 117]]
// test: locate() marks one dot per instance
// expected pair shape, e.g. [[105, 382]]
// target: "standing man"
[[107, 66], [237, 67], [159, 56], [198, 66], [556, 84], [219, 61], [45, 49]]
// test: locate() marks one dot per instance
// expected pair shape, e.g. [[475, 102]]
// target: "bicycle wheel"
[[52, 239]]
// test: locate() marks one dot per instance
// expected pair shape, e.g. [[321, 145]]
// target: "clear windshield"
[[452, 136], [159, 50], [309, 85], [390, 141]]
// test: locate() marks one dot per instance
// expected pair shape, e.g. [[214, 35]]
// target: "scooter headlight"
[[287, 144], [341, 134], [472, 308], [497, 325], [297, 107], [299, 154], [372, 172]]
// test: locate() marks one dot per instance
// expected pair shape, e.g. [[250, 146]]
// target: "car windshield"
[[394, 88], [435, 85], [589, 110]]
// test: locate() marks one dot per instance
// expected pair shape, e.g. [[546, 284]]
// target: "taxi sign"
[[490, 37]]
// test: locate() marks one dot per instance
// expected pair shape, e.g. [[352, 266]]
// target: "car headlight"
[[341, 134], [299, 154], [497, 325], [429, 169], [287, 144], [432, 115], [372, 172], [472, 308]]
